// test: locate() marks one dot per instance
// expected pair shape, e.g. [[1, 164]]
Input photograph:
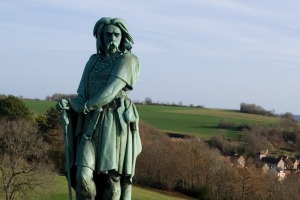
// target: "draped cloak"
[[115, 142]]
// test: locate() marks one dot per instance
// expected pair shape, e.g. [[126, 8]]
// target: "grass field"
[[199, 122], [57, 190], [39, 107]]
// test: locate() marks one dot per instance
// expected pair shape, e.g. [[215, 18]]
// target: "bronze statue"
[[103, 139]]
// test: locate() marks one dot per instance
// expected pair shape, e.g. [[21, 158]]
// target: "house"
[[265, 168], [277, 172], [261, 154], [273, 162], [291, 163], [239, 162]]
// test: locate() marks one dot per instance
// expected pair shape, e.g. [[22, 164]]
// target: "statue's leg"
[[112, 190], [126, 188], [85, 186]]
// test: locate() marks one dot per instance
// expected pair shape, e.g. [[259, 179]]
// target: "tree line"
[[58, 96]]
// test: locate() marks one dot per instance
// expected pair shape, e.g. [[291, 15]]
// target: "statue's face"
[[112, 38]]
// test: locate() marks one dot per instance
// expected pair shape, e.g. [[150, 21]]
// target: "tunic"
[[115, 142]]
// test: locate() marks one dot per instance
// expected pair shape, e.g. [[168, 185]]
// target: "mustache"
[[111, 45]]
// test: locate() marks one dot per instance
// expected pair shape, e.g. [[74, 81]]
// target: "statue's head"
[[106, 28]]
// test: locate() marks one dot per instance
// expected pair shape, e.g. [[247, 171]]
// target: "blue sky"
[[215, 53]]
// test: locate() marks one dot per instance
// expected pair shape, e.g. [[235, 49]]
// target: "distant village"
[[279, 167]]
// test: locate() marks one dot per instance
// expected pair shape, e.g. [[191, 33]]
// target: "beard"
[[112, 47]]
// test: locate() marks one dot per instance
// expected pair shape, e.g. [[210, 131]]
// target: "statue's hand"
[[78, 107], [63, 104]]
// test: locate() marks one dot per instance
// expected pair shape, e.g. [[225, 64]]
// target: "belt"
[[113, 104]]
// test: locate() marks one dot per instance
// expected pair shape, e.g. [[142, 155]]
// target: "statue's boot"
[[126, 188]]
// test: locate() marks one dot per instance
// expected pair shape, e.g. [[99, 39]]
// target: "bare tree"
[[22, 158]]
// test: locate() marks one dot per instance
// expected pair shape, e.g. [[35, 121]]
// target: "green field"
[[57, 190], [39, 107], [200, 122]]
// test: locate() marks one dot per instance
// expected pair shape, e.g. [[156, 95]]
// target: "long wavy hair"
[[126, 41]]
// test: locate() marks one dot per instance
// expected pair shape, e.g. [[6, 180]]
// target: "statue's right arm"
[[78, 103], [106, 95]]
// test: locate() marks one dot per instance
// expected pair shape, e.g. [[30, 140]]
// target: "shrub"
[[13, 108], [226, 124], [254, 109]]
